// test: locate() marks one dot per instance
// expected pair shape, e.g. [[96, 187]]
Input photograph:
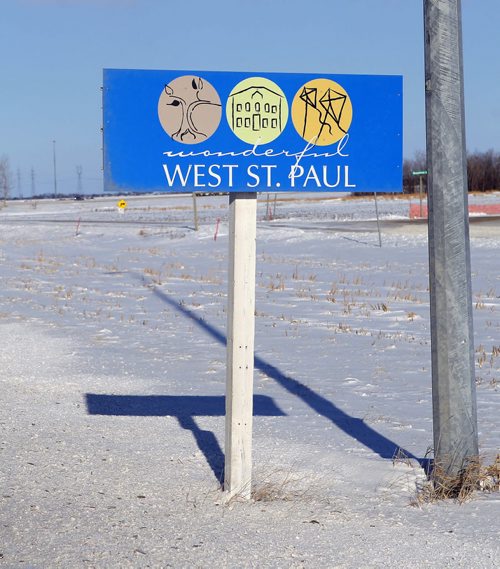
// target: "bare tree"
[[410, 182], [483, 171], [5, 178]]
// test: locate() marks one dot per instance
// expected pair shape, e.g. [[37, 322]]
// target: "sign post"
[[241, 133], [420, 187], [240, 344], [453, 381], [122, 206], [195, 212]]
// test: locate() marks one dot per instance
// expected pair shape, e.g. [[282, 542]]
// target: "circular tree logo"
[[257, 110], [322, 112], [189, 109]]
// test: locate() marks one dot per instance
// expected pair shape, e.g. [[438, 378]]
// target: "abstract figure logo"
[[257, 110], [322, 112], [189, 109]]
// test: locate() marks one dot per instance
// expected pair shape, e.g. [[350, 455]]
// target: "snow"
[[113, 378]]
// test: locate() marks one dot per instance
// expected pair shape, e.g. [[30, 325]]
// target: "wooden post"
[[195, 212], [240, 344], [378, 220]]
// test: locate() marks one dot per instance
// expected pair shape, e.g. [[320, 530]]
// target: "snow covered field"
[[113, 379]]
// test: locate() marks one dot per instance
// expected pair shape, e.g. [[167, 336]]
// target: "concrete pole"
[[240, 344], [453, 379]]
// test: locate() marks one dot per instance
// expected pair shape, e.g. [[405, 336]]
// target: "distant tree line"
[[483, 171]]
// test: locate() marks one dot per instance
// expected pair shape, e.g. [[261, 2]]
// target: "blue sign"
[[211, 131]]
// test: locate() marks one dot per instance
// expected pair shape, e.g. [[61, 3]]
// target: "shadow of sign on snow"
[[352, 426], [185, 408]]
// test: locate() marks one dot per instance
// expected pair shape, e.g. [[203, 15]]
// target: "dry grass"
[[474, 477], [400, 457], [276, 485]]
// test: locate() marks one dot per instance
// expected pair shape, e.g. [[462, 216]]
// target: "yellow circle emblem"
[[321, 112]]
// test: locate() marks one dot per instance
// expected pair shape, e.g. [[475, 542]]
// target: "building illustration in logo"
[[189, 109], [257, 110], [322, 112]]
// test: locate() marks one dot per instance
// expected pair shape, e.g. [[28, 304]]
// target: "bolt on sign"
[[210, 131]]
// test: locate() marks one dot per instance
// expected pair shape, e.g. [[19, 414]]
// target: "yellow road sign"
[[122, 204]]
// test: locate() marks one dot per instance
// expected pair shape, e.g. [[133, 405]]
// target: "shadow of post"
[[184, 408], [352, 426]]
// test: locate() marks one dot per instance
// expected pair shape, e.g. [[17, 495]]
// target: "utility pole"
[[453, 381], [55, 175], [19, 188]]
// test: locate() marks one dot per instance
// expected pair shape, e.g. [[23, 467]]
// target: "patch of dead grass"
[[474, 477]]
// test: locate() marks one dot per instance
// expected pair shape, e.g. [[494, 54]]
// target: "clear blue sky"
[[53, 53]]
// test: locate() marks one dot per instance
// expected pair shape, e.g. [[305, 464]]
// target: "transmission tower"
[[55, 171], [79, 187], [32, 182]]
